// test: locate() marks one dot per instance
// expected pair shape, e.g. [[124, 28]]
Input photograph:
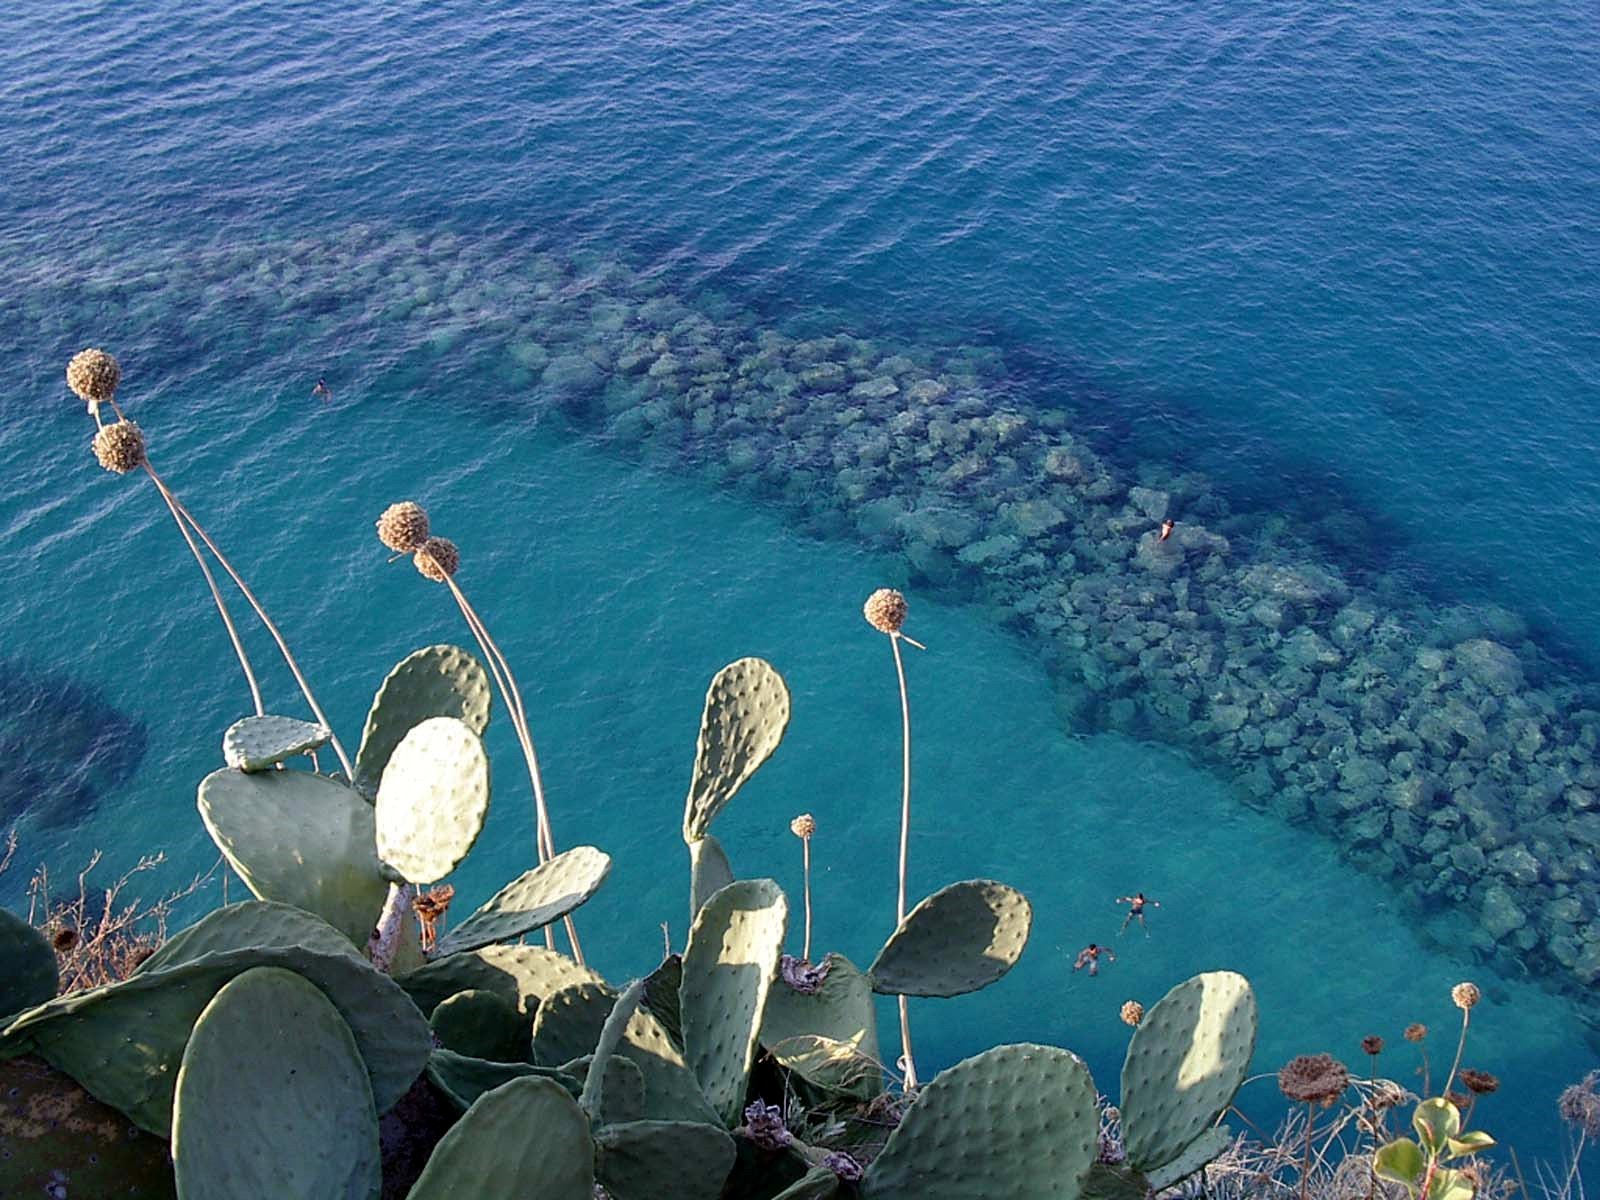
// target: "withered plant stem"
[[805, 844], [1461, 1044], [905, 834]]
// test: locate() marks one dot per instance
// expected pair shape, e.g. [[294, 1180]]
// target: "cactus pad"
[[545, 894], [1114, 1181], [671, 1091], [819, 1183], [1013, 1121], [526, 1138], [727, 971], [661, 995], [242, 926], [1185, 1061], [27, 965], [606, 1045], [709, 872], [569, 1022], [438, 681], [260, 743], [481, 1024], [272, 1098], [830, 1036], [746, 713], [1208, 1146], [124, 1041], [621, 1090], [432, 800], [961, 938], [662, 1160], [463, 1078], [301, 839], [522, 976]]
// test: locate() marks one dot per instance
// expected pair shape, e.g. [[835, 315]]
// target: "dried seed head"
[[1460, 1099], [1416, 1031], [93, 375], [1465, 995], [1132, 1012], [403, 527], [885, 610], [1372, 1044], [845, 1167], [437, 558], [1314, 1078], [1479, 1083], [1387, 1095], [1579, 1105], [803, 826], [65, 939], [120, 447], [763, 1125]]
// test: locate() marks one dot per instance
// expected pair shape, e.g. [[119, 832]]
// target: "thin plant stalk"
[[272, 628], [1305, 1169], [216, 594], [1461, 1044], [805, 844], [905, 834], [1566, 1188]]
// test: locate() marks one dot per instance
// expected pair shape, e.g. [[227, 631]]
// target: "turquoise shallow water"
[[1339, 262]]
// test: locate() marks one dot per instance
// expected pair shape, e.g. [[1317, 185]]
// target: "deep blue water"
[[1342, 259]]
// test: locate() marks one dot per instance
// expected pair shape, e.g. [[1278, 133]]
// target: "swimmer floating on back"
[[1089, 957], [1136, 905]]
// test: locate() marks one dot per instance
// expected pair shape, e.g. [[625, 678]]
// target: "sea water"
[[1340, 262]]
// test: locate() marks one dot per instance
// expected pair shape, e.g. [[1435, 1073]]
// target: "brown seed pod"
[[803, 826], [1372, 1044], [885, 610], [120, 447], [1479, 1083], [65, 939], [1132, 1012], [1416, 1031], [437, 558], [93, 375], [1465, 995], [1314, 1078], [403, 527]]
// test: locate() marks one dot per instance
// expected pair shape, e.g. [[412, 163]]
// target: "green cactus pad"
[[661, 995], [663, 1160], [819, 1183], [124, 1041], [526, 1138], [709, 872], [1013, 1121], [438, 681], [248, 924], [463, 1079], [1204, 1149], [746, 713], [261, 743], [522, 976], [481, 1024], [300, 839], [671, 1091], [432, 800], [961, 938], [52, 1131], [27, 965], [606, 1045], [1185, 1061], [727, 972], [829, 1036], [545, 894], [569, 1022], [1114, 1181], [621, 1091], [272, 1098]]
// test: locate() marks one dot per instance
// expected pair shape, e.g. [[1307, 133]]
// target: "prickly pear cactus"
[[432, 800], [1205, 1148], [481, 1024], [522, 976], [248, 924], [961, 938], [27, 965], [709, 872], [569, 1022], [661, 995], [1013, 1121], [727, 972], [437, 681], [610, 1038], [819, 1183], [621, 1089], [829, 1036], [261, 743], [1185, 1061], [463, 1078], [545, 894], [300, 839], [662, 1160], [671, 1091], [272, 1098], [746, 713], [490, 1155]]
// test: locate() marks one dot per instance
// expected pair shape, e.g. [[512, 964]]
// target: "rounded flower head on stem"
[[1479, 1083], [803, 826], [1132, 1012], [1579, 1105], [65, 939], [1372, 1044], [120, 447], [1314, 1078], [1465, 995], [437, 558], [403, 527], [1416, 1031], [885, 610], [93, 375]]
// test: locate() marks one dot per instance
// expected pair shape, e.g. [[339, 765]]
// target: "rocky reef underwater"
[[1440, 746]]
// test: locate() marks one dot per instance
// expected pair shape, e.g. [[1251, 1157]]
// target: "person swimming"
[[322, 391], [1136, 905], [1166, 529], [1089, 957]]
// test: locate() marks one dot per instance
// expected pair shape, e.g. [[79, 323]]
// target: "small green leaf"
[[1449, 1185], [1436, 1122], [1400, 1161], [1470, 1143]]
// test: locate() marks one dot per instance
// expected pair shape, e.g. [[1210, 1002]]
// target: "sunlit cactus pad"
[[545, 894], [27, 965], [1185, 1061], [432, 800], [436, 681], [245, 925], [526, 1138], [746, 713], [663, 1160], [829, 1036], [522, 976], [961, 938], [272, 1098], [709, 872], [261, 743], [1013, 1121]]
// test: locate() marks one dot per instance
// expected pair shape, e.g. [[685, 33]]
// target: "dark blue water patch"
[[64, 745]]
